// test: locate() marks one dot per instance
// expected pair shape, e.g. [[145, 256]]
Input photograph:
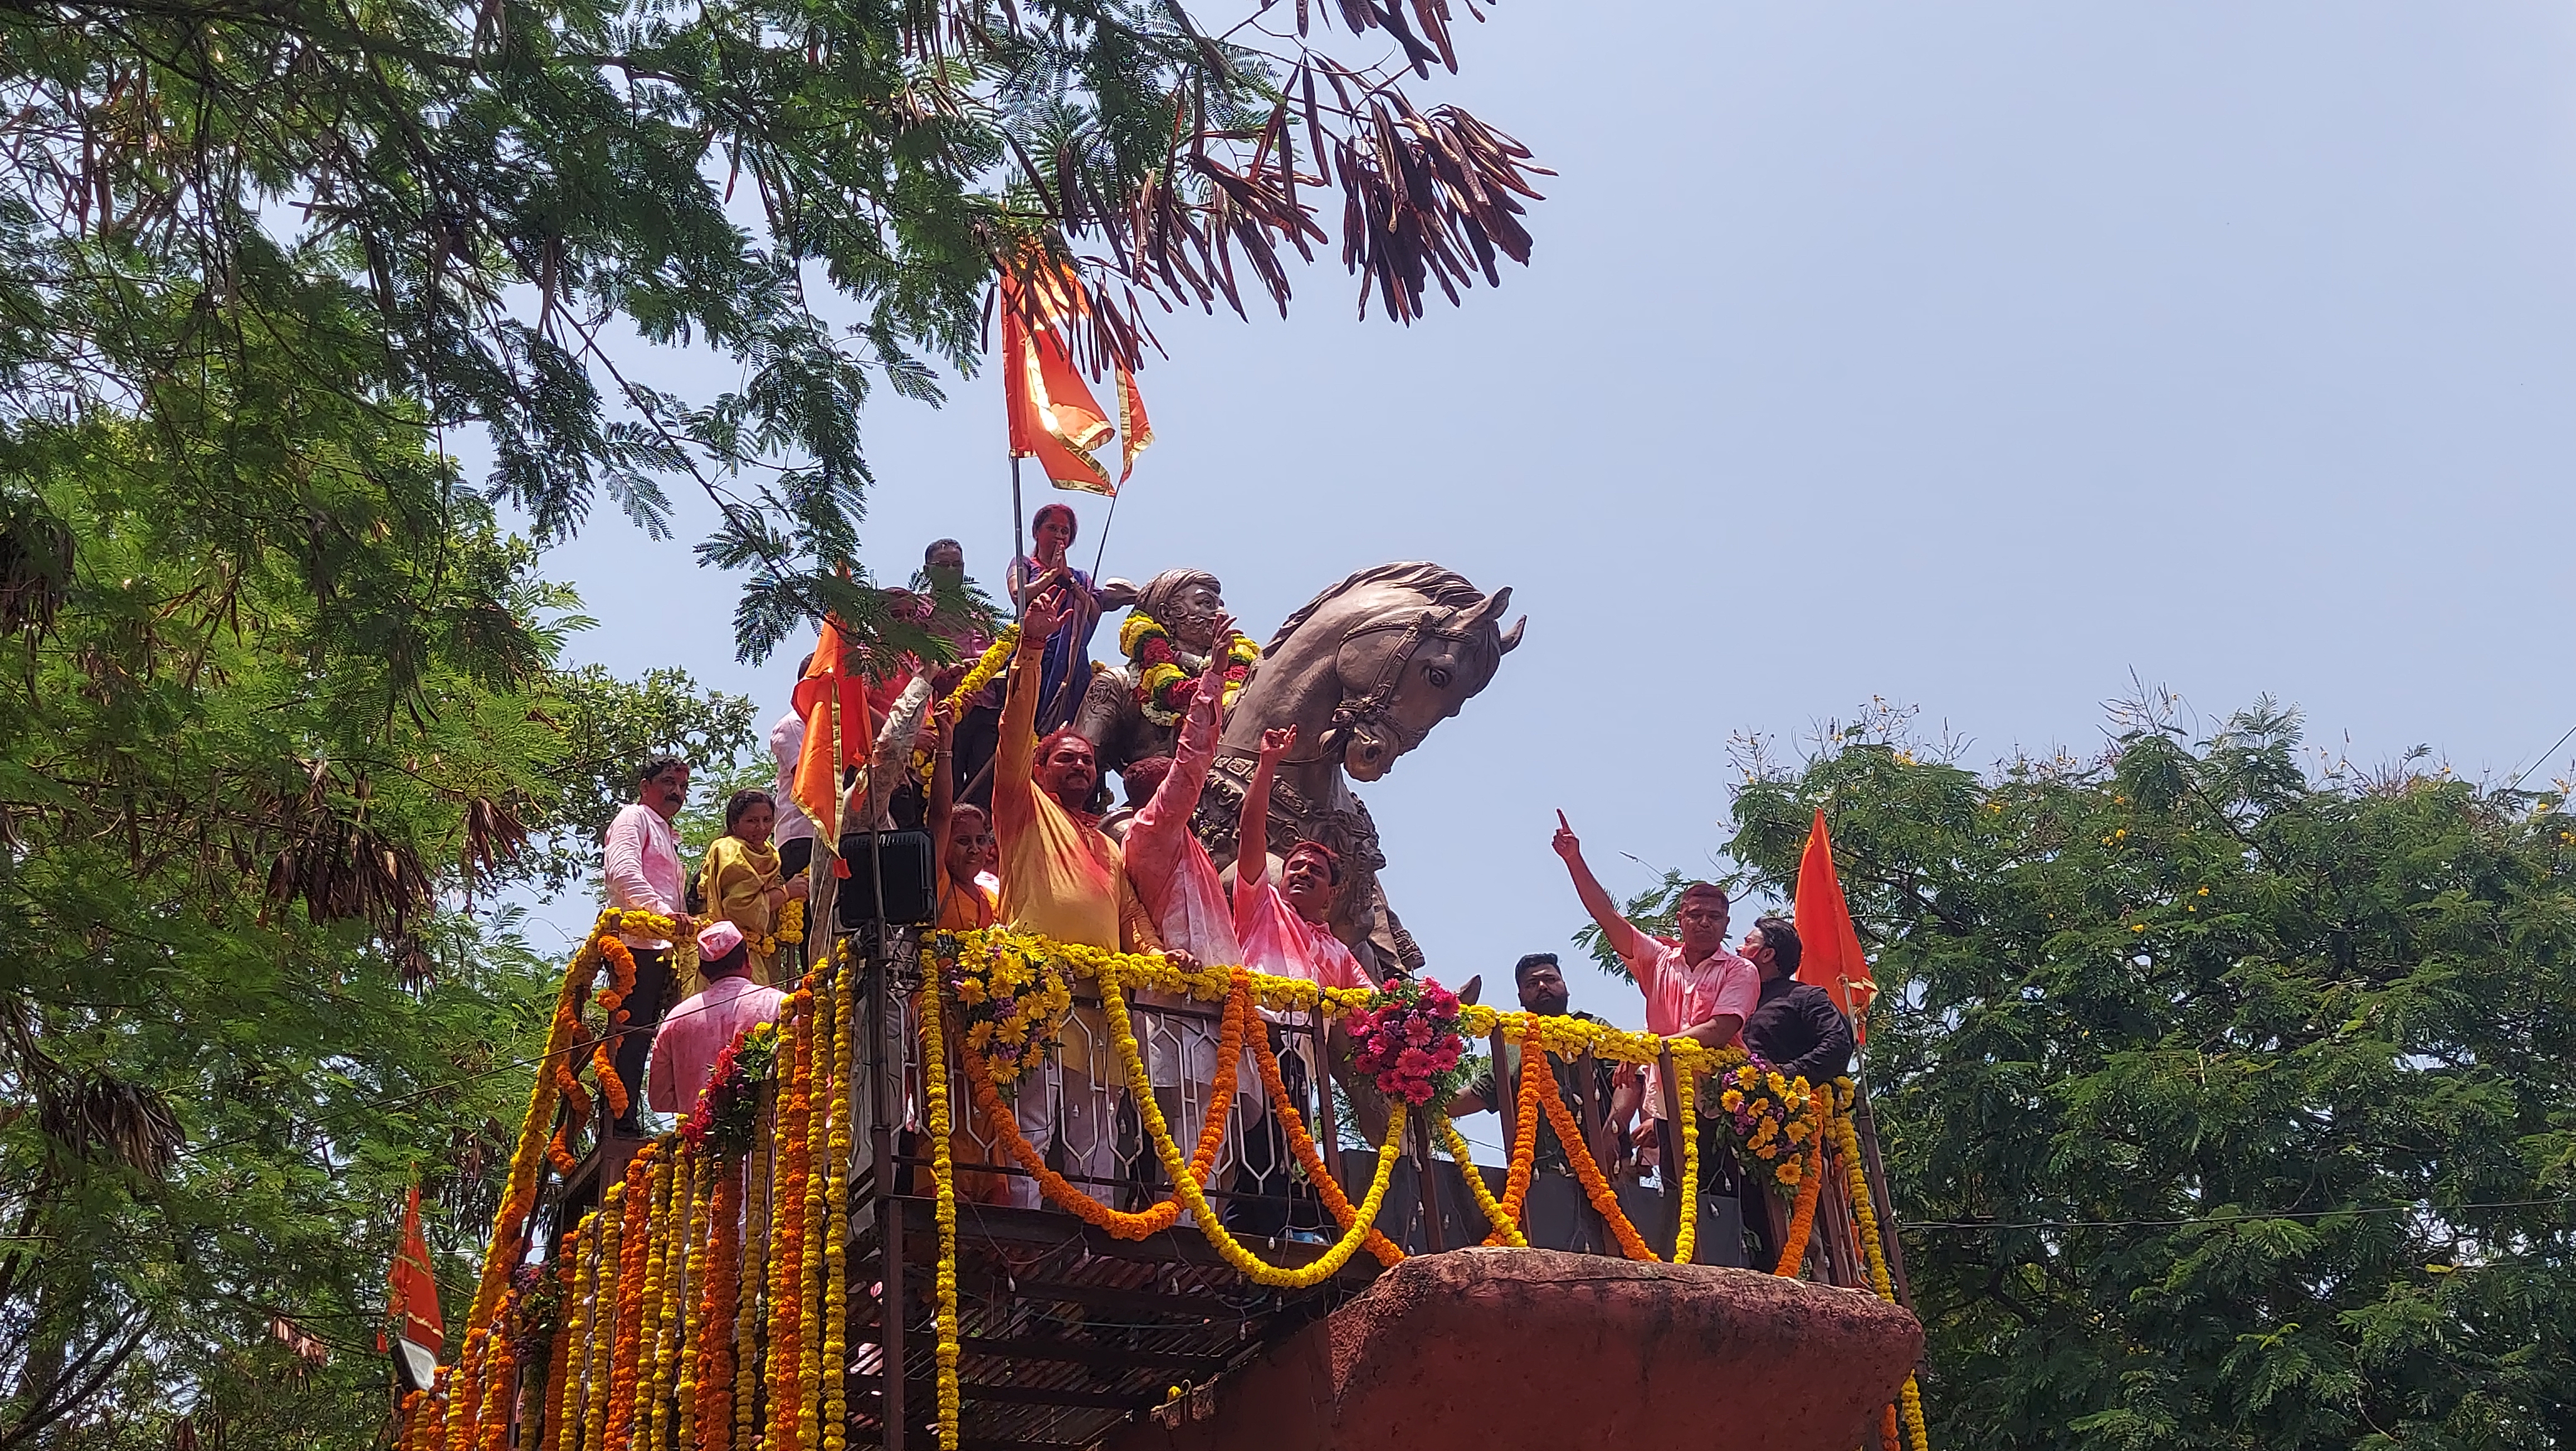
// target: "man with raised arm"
[[1062, 879], [1285, 930], [1178, 883], [1694, 986]]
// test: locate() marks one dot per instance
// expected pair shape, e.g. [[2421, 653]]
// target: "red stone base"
[[1500, 1349]]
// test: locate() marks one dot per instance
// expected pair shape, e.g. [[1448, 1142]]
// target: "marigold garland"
[[758, 1169], [809, 1350], [563, 1427], [465, 1392], [1686, 1234], [836, 1206], [1301, 1144], [711, 1410], [492, 1421], [1503, 1221], [1361, 1226], [1793, 1248], [598, 1385], [986, 666], [1605, 1200], [559, 1355], [625, 1360], [983, 1085], [1536, 1077], [943, 1178], [1164, 686], [1873, 1249], [788, 1244]]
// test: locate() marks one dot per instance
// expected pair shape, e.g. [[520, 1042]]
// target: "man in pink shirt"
[[1178, 883], [640, 867], [1694, 986], [1286, 931], [692, 1034]]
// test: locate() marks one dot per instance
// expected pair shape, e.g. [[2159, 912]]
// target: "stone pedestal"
[[1496, 1349]]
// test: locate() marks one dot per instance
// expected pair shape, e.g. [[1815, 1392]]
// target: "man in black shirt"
[[1795, 1027], [1542, 990]]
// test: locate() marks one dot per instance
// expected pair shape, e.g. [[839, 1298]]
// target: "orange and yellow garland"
[[704, 1289]]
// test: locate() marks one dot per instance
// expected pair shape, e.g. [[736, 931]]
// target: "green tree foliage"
[[259, 749], [289, 223], [2226, 1090]]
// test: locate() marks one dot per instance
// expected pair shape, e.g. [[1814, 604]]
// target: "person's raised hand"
[[1565, 843], [1047, 610], [1276, 741], [1182, 960], [1218, 663]]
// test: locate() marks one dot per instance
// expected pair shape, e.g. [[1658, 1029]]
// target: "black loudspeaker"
[[901, 861]]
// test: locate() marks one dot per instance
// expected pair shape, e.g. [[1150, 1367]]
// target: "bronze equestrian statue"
[[1113, 717], [1364, 672]]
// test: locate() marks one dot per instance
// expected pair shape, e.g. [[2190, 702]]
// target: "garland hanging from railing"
[[699, 1305]]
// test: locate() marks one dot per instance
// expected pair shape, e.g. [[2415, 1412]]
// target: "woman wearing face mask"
[[740, 879]]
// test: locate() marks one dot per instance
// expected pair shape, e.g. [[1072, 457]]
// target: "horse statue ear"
[[1489, 611]]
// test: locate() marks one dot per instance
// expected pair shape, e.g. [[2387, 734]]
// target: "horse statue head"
[[1372, 664], [1364, 672]]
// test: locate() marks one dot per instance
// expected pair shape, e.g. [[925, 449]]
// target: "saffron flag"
[[1053, 416], [418, 1332], [829, 686], [1829, 946], [1135, 430]]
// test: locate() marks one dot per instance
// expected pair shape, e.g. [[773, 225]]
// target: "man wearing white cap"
[[692, 1034]]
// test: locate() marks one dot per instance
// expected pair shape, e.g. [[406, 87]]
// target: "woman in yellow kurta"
[[740, 880]]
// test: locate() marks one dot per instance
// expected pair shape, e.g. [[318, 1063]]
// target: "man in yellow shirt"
[[1062, 878]]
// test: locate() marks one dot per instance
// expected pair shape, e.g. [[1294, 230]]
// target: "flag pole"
[[1105, 523], [1019, 520]]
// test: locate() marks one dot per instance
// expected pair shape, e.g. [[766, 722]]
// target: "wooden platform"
[[1066, 1331]]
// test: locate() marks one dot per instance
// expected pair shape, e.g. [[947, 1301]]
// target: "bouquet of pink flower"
[[1407, 1041], [728, 1108]]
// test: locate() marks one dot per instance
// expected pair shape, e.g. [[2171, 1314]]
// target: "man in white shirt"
[[640, 867], [793, 830]]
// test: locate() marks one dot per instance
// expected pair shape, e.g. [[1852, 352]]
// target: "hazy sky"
[[1970, 355]]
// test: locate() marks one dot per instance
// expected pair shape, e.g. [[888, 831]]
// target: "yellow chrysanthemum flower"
[[1731, 1100]]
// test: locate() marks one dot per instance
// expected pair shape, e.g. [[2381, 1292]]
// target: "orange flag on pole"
[[1135, 430], [418, 1331], [1829, 946], [1053, 416], [830, 690]]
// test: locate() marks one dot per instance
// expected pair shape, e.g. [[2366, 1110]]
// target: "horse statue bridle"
[[1376, 706]]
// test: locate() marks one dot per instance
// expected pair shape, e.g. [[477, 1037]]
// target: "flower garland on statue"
[[1165, 685], [1767, 1116]]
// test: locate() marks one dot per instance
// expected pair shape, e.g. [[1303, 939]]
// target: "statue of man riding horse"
[[1364, 672]]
